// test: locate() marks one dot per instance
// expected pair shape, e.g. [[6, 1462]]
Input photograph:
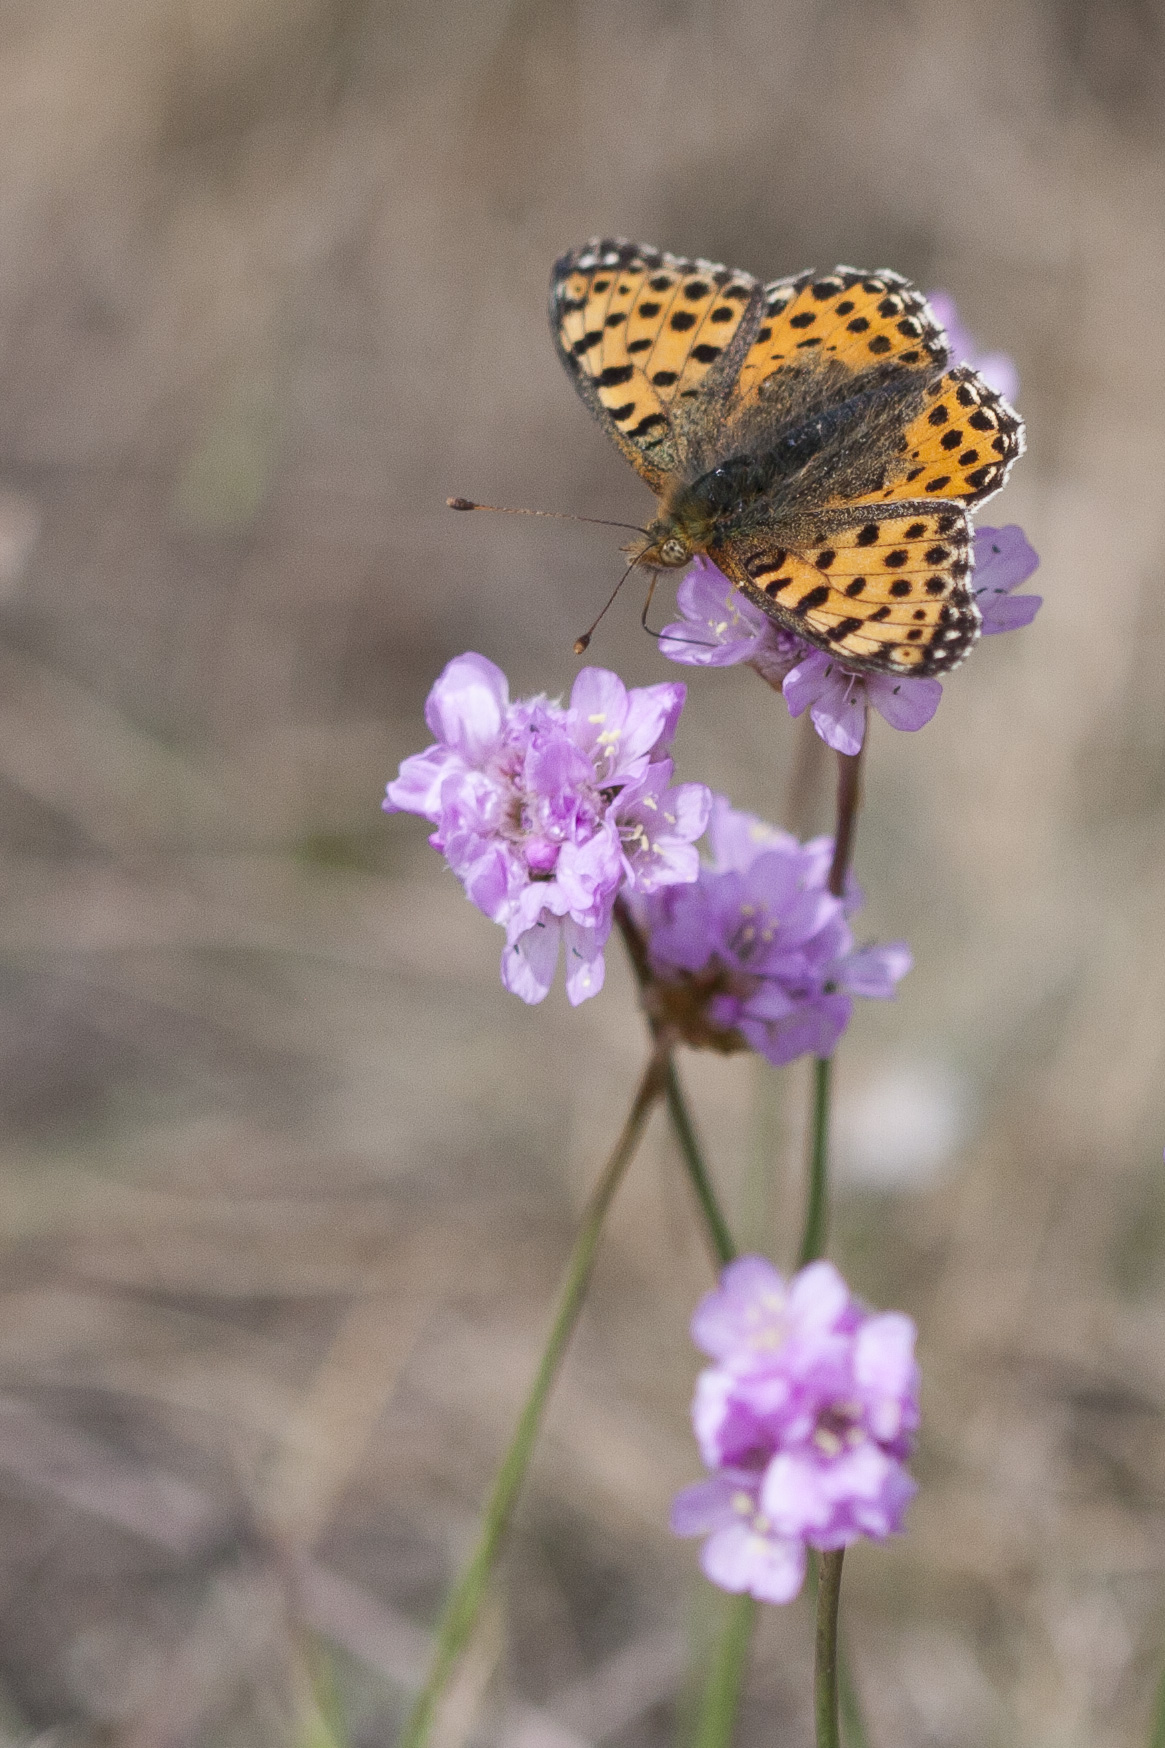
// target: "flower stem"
[[801, 795], [825, 1659], [849, 795], [722, 1690], [464, 1605], [719, 1237], [852, 1722], [817, 1208]]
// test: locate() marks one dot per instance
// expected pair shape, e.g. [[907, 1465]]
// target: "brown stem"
[[799, 810], [849, 795], [635, 944]]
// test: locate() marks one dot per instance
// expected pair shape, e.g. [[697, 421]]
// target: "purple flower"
[[545, 813], [836, 698], [996, 368], [806, 1420], [721, 627], [1003, 559], [756, 953]]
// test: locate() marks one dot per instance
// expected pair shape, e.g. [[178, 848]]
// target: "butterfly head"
[[670, 551], [673, 540]]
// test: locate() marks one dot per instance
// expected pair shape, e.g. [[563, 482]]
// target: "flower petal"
[[467, 705], [768, 1567], [1008, 612], [738, 838], [1004, 558], [585, 966], [750, 1287], [906, 704], [875, 971], [810, 679], [710, 1505], [418, 787], [719, 625], [528, 965]]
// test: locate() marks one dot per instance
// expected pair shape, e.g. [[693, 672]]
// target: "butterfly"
[[810, 436]]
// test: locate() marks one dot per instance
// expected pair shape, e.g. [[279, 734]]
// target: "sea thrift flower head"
[[805, 1419], [756, 953], [721, 626], [546, 812]]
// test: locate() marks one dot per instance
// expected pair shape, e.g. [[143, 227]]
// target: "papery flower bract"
[[546, 812], [756, 953], [805, 1420]]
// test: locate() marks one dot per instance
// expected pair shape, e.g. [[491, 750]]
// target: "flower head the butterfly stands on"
[[805, 1421], [718, 627], [546, 812], [756, 953]]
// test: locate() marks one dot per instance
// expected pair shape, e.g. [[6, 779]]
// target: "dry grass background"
[[287, 1177]]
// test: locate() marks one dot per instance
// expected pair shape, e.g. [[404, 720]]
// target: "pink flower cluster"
[[806, 1420], [546, 812], [756, 952]]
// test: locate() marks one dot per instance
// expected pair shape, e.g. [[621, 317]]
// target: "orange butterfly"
[[807, 435]]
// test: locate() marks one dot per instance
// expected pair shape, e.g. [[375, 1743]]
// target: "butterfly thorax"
[[695, 514]]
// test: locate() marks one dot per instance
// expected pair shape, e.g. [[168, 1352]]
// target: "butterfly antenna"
[[558, 515], [581, 643]]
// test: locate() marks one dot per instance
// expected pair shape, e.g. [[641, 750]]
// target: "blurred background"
[[287, 1177]]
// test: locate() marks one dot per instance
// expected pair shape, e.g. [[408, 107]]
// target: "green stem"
[[464, 1605], [722, 1690], [852, 1722], [825, 1658], [817, 1208], [719, 1237]]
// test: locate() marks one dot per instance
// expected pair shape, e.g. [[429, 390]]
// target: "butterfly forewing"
[[961, 445], [640, 331], [852, 318]]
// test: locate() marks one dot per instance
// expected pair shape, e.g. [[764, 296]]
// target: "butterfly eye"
[[674, 551]]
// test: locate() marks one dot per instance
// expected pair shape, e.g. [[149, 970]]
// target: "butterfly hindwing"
[[854, 319], [885, 588], [640, 332], [961, 445]]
